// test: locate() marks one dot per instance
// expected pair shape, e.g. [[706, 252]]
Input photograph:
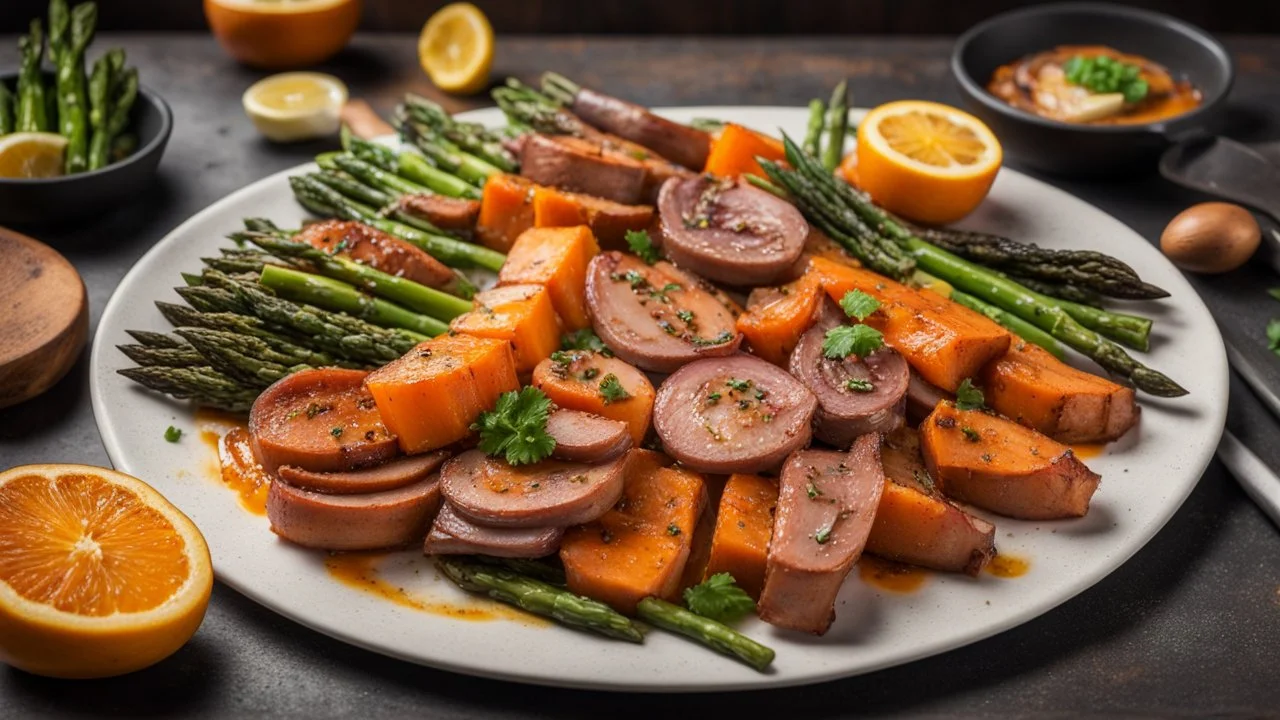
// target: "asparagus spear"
[[1064, 291], [338, 296], [1013, 323], [472, 137], [452, 252], [416, 168], [100, 80], [204, 385], [536, 569], [73, 99], [352, 187], [837, 123], [155, 339], [539, 598], [717, 636], [59, 25], [813, 133], [233, 329], [243, 358], [32, 112], [376, 177], [367, 150], [527, 107], [6, 109], [559, 88], [445, 154], [234, 265], [408, 293], [184, 356], [123, 94]]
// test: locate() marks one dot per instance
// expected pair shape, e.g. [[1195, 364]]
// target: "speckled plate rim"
[[1146, 477]]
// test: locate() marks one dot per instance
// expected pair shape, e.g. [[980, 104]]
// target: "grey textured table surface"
[[1190, 625]]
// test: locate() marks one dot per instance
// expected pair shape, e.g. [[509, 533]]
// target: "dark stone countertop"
[[1190, 625]]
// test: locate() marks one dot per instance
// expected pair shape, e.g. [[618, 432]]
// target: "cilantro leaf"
[[719, 598], [642, 245], [969, 397], [858, 304], [611, 390], [584, 339], [1103, 74], [861, 340], [172, 434], [517, 428]]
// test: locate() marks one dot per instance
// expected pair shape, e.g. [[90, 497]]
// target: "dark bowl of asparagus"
[[114, 129]]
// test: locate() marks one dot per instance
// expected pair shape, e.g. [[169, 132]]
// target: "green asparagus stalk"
[[185, 356], [374, 176], [353, 188], [1012, 323], [231, 328], [813, 133], [243, 358], [408, 293], [73, 97], [99, 108], [416, 168], [338, 296], [121, 97], [471, 137], [445, 154], [386, 199], [1063, 291], [371, 152], [559, 88], [536, 569], [539, 598], [155, 339], [59, 27], [32, 110], [715, 635], [708, 125], [203, 385], [7, 120], [837, 124], [1013, 298], [527, 107], [452, 252]]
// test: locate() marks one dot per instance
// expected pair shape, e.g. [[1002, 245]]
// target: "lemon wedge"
[[295, 106], [456, 48], [32, 155]]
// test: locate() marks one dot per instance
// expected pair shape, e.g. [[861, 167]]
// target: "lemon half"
[[295, 106], [32, 155]]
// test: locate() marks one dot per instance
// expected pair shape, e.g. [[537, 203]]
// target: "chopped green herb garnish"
[[516, 429], [561, 357], [822, 536], [861, 340], [713, 398], [673, 529], [336, 431], [611, 390], [970, 434], [969, 397], [719, 598], [858, 304], [724, 337], [584, 339], [1103, 74], [812, 490], [686, 316], [739, 385], [634, 278], [858, 385], [590, 373], [172, 434], [642, 245]]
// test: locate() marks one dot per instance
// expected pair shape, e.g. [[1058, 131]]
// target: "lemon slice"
[[99, 574], [456, 48], [32, 155], [295, 106]]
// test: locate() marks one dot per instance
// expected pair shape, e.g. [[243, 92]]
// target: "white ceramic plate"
[[1146, 476]]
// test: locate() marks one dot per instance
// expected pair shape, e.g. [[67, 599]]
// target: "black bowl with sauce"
[[1078, 149]]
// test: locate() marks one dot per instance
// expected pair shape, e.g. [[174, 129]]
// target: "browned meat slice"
[[735, 414], [321, 420], [444, 212], [583, 437], [729, 231], [657, 317], [679, 143], [826, 504], [368, 521], [915, 524], [855, 395], [388, 476], [452, 534], [922, 397], [378, 250], [552, 493], [582, 166]]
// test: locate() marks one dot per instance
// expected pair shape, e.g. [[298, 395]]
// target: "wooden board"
[[44, 317]]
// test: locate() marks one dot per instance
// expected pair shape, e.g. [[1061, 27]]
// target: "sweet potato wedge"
[[915, 524], [430, 397], [774, 323], [735, 149], [945, 342], [555, 258], [1001, 466], [608, 220], [506, 210], [572, 381], [640, 547], [520, 314], [1036, 389], [744, 526]]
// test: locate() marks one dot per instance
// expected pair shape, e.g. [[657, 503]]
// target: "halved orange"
[[99, 574], [926, 161], [282, 34]]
